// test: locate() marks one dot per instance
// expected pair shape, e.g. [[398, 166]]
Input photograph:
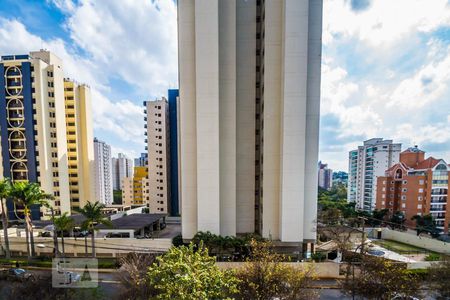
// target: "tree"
[[62, 224], [27, 194], [378, 216], [265, 276], [183, 274], [5, 189], [379, 278], [426, 224], [133, 275], [398, 220], [93, 214], [439, 277]]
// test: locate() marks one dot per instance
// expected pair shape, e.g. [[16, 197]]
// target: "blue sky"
[[385, 70]]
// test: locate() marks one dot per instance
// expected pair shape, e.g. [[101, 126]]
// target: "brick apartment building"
[[416, 186]]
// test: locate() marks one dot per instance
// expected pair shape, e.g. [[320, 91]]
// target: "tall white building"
[[367, 163], [158, 158], [249, 75], [122, 167], [103, 172]]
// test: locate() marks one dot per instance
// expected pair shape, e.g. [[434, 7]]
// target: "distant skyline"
[[385, 69]]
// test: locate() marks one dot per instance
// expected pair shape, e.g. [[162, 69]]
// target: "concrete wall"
[[103, 247], [410, 239]]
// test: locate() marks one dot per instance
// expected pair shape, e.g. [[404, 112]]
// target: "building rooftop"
[[134, 221], [428, 163]]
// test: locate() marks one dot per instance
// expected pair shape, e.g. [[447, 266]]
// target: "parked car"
[[15, 274], [80, 233], [46, 234]]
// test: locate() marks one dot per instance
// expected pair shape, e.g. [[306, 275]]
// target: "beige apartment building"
[[249, 74], [135, 190], [158, 159], [35, 126]]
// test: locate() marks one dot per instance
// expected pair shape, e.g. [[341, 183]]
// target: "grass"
[[103, 263], [400, 247]]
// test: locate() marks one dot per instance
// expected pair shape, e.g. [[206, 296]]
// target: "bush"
[[318, 256], [185, 274], [178, 241], [433, 257], [265, 276]]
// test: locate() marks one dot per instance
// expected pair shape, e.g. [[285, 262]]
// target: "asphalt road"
[[111, 287]]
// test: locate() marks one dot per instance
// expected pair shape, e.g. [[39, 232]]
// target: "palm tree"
[[63, 223], [27, 194], [5, 188], [93, 214]]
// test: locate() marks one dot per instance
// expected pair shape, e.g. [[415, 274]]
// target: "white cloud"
[[427, 85], [385, 21], [136, 40], [123, 119]]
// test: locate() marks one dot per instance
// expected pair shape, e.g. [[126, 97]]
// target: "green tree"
[[426, 224], [398, 220], [379, 278], [5, 189], [183, 274], [266, 276], [62, 224], [94, 215], [27, 194]]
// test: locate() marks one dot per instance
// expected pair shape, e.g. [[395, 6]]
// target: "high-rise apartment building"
[[416, 186], [141, 161], [121, 167], [249, 75], [367, 163], [80, 145], [103, 172], [36, 117], [174, 148], [135, 190], [158, 158], [325, 176]]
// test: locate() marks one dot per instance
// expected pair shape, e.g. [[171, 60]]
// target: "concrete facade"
[[103, 172], [136, 189], [249, 116], [325, 176], [158, 143], [37, 132], [367, 163], [121, 167], [416, 186], [80, 145]]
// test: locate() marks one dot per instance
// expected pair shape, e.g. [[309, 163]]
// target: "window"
[[403, 205], [404, 198], [404, 190], [419, 198], [419, 206], [420, 190]]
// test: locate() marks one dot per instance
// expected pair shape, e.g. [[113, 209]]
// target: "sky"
[[385, 66]]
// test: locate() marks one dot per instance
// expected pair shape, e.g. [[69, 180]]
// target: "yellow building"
[[135, 190], [34, 131], [80, 147]]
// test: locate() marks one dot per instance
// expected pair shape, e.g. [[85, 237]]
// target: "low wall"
[[109, 247], [321, 270], [414, 240]]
